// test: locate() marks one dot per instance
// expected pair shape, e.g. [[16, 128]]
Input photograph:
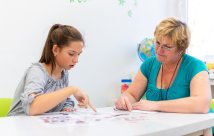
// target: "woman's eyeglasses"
[[164, 47]]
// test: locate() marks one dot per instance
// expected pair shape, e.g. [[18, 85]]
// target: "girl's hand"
[[123, 103], [145, 105], [83, 100], [70, 109]]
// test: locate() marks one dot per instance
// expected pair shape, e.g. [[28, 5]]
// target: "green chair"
[[5, 104], [212, 111], [212, 104]]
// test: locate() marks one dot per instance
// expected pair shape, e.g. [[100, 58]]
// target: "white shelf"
[[212, 81]]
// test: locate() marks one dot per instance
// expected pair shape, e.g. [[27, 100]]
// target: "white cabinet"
[[212, 87]]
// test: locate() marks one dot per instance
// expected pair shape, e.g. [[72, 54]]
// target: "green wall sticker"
[[129, 4], [135, 2], [121, 2], [130, 13], [78, 1]]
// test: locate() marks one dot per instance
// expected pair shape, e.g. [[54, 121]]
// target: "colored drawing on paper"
[[86, 117]]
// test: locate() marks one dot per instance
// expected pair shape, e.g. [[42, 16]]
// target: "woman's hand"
[[83, 100], [123, 103], [145, 105]]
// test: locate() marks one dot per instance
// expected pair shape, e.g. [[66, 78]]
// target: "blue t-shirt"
[[180, 87]]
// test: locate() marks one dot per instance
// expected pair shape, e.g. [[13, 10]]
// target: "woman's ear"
[[181, 53], [55, 50]]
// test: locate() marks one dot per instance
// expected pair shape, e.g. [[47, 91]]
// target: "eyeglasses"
[[164, 47]]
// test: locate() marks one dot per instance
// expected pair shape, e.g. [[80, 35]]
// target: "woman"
[[172, 80], [44, 87]]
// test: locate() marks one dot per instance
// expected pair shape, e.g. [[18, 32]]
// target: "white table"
[[154, 124]]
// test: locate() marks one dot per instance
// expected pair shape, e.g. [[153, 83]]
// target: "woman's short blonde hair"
[[176, 30]]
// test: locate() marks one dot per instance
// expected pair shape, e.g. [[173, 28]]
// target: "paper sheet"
[[85, 116]]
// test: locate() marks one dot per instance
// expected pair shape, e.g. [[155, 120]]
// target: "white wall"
[[111, 40]]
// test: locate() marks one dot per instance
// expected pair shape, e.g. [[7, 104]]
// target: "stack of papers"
[[86, 116]]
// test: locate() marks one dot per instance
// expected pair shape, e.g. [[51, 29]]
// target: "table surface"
[[111, 123]]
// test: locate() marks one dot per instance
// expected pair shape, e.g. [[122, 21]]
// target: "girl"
[[44, 87]]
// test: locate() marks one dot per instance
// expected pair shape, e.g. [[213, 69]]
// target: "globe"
[[146, 49]]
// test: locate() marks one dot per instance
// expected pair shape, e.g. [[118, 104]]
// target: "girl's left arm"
[[69, 105]]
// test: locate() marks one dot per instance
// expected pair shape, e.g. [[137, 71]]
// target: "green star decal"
[[124, 3], [135, 3], [130, 13], [78, 1], [121, 2]]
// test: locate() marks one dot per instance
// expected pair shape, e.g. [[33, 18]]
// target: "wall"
[[111, 34]]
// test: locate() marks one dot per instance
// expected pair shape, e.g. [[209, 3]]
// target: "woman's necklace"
[[170, 79]]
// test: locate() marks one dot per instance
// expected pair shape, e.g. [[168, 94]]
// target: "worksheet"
[[85, 116]]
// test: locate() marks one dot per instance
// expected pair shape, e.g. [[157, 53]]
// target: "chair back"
[[212, 104], [5, 104]]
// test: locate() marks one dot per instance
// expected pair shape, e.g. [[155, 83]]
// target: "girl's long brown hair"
[[60, 35]]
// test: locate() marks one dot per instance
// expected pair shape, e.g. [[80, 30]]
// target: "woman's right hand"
[[123, 103]]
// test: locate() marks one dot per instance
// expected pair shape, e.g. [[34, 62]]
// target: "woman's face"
[[166, 52], [67, 57]]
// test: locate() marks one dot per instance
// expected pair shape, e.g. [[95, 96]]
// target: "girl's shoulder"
[[37, 67], [37, 70]]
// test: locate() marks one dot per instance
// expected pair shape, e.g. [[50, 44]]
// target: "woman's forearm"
[[185, 105]]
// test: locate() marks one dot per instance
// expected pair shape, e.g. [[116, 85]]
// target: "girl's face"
[[165, 51], [67, 57]]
